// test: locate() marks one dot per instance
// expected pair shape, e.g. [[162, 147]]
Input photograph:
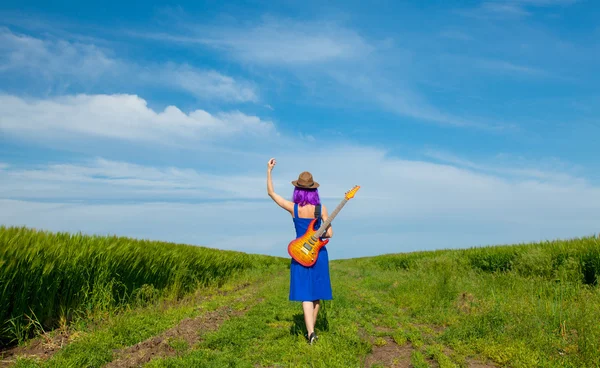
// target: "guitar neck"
[[326, 223]]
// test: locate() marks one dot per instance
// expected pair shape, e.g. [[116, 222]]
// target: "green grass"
[[271, 334], [95, 340], [46, 277], [529, 305]]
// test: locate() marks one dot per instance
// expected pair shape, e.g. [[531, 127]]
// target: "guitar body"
[[305, 249]]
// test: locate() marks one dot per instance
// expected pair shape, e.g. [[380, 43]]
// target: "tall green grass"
[[527, 305], [574, 259], [46, 277]]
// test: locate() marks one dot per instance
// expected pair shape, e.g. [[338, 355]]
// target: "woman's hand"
[[271, 164], [283, 203]]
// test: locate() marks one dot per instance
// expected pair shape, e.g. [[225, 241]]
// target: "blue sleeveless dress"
[[309, 283]]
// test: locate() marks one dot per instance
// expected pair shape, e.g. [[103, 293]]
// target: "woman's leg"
[[308, 308], [317, 304]]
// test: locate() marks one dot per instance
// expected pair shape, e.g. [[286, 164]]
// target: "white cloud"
[[504, 8], [108, 180], [52, 58], [318, 53], [510, 167], [65, 62], [402, 205], [545, 2], [294, 42], [205, 84], [278, 41], [125, 117], [397, 186], [491, 67], [513, 8], [508, 67], [456, 35], [405, 101], [329, 51]]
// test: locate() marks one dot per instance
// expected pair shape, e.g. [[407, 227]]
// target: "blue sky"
[[466, 123]]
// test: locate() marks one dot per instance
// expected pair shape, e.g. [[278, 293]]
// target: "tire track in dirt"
[[387, 353], [46, 345], [42, 347], [390, 354], [187, 331]]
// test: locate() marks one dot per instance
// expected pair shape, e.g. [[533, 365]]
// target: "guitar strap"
[[318, 211]]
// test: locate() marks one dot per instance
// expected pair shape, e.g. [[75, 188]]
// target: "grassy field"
[[48, 279], [534, 305]]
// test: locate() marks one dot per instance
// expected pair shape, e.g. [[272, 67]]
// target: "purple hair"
[[306, 196]]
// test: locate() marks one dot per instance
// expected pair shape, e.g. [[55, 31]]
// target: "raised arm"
[[282, 202]]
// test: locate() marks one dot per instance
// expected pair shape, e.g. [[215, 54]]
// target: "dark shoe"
[[312, 338]]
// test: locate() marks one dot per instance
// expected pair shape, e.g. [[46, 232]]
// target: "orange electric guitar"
[[305, 249]]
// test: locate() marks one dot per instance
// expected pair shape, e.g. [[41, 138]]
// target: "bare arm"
[[329, 232], [282, 202]]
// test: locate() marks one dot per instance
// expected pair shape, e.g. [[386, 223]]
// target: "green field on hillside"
[[47, 278], [531, 305]]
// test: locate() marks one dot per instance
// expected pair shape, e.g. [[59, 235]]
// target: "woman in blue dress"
[[308, 285]]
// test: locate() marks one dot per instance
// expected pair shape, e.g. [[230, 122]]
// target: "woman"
[[307, 284]]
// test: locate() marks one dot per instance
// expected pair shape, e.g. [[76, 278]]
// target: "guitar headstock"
[[350, 194]]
